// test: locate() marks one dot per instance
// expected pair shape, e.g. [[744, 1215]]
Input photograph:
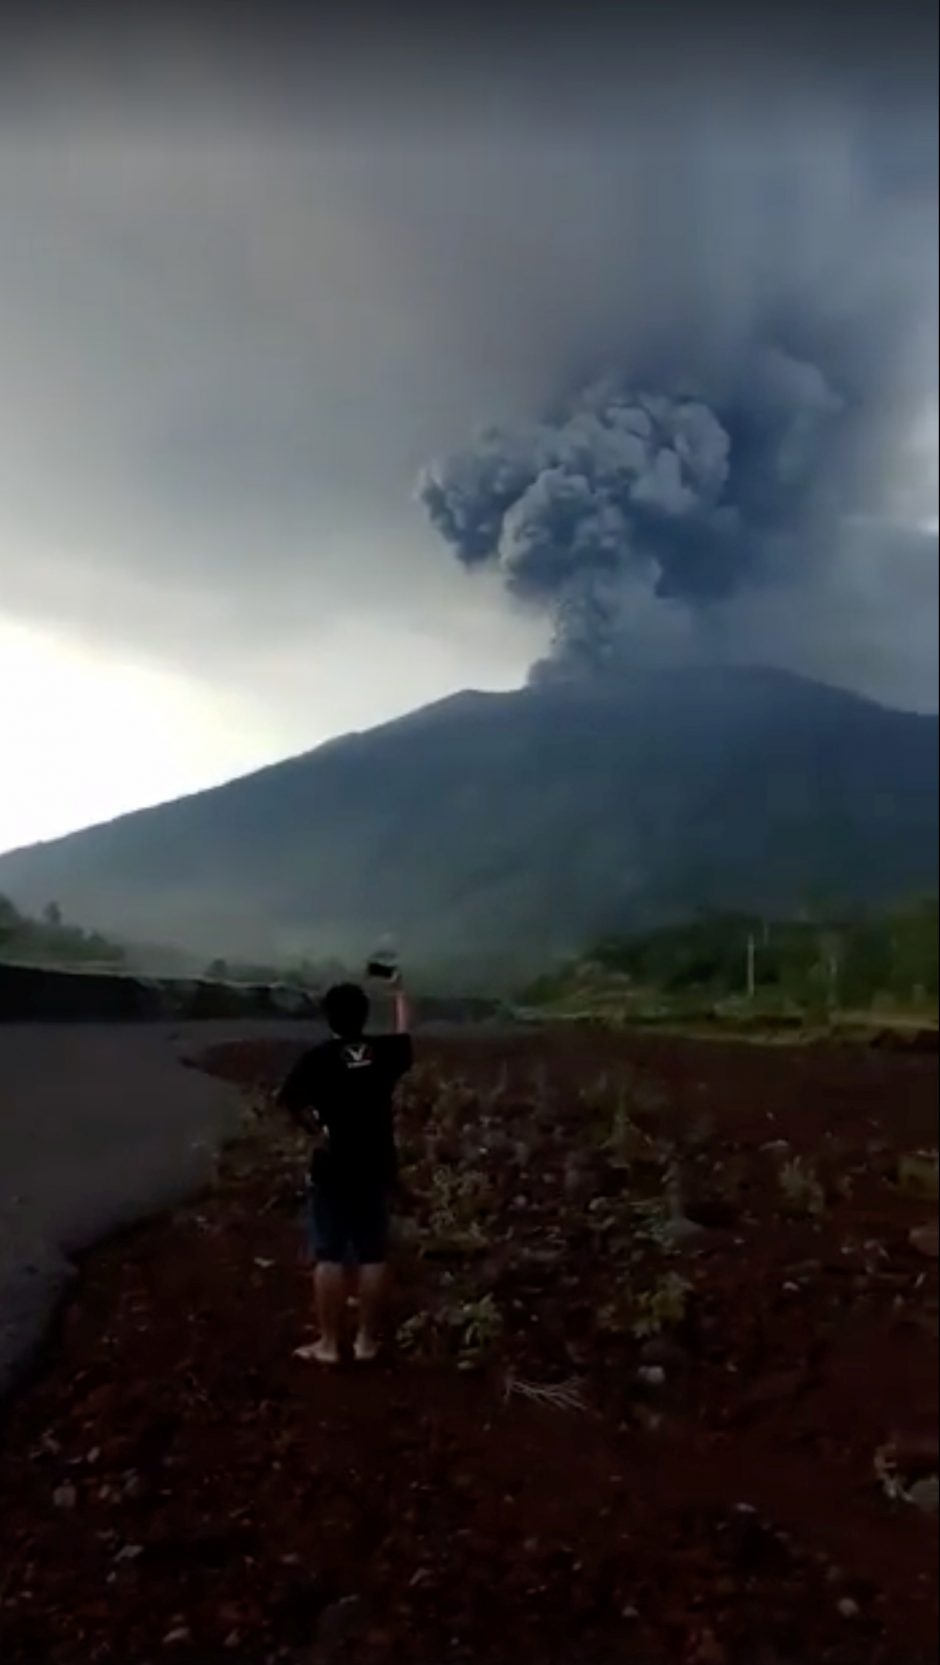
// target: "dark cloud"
[[247, 288], [368, 64]]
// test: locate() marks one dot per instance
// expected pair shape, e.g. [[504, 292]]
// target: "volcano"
[[504, 828]]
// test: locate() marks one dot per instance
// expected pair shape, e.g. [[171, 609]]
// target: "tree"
[[9, 915], [52, 916]]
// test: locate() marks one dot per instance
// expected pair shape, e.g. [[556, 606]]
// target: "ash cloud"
[[732, 418], [631, 494]]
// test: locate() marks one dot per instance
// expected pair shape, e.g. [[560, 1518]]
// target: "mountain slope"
[[524, 822]]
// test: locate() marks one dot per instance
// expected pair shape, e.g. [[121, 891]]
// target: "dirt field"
[[664, 1387]]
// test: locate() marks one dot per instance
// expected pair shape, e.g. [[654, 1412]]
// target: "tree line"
[[861, 961], [51, 939]]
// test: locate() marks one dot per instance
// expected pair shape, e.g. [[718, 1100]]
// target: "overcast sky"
[[248, 288]]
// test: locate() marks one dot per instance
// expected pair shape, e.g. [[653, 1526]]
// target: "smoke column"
[[728, 448], [630, 494]]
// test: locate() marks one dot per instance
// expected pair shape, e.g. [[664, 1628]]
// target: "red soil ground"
[[175, 1484]]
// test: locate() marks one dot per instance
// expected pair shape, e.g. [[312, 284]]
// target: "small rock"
[[680, 1230], [653, 1375], [779, 1388], [917, 1173], [93, 1455], [925, 1494], [926, 1241], [714, 1213], [914, 1448], [806, 1269], [660, 1350], [848, 1608], [65, 1497], [173, 1638], [339, 1621], [707, 1650], [129, 1552]]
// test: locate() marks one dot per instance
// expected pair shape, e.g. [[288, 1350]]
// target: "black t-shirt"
[[349, 1085]]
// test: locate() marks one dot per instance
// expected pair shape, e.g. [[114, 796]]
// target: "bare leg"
[[373, 1290], [329, 1282]]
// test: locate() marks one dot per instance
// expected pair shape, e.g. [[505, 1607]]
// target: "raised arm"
[[403, 1012]]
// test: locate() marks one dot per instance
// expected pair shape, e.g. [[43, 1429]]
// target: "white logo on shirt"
[[356, 1057]]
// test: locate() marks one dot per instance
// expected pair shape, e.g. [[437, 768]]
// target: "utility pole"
[[833, 970], [751, 966]]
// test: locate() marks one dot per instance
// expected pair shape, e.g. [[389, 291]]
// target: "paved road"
[[100, 1124]]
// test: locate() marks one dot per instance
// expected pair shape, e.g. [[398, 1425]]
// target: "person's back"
[[342, 1091], [350, 1084]]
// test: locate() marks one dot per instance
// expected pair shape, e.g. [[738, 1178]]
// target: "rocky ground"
[[663, 1388]]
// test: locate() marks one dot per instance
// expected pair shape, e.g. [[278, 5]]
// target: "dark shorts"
[[348, 1228]]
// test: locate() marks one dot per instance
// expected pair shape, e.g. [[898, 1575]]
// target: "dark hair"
[[346, 1009]]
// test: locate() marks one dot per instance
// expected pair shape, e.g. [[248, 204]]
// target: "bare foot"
[[365, 1349], [320, 1352]]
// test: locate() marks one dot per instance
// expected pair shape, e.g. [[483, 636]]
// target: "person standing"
[[341, 1092]]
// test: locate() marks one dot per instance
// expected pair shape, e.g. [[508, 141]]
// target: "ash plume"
[[748, 472], [632, 494]]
